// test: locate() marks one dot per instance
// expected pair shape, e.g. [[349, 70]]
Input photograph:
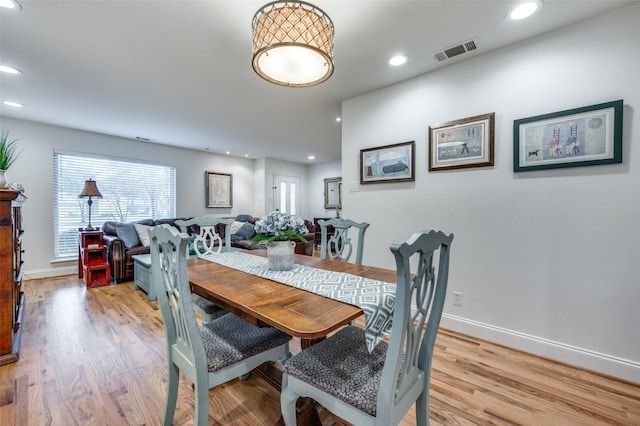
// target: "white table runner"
[[375, 298]]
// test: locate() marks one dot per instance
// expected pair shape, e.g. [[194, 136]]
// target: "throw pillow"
[[143, 234], [128, 234], [235, 226], [246, 232], [243, 217]]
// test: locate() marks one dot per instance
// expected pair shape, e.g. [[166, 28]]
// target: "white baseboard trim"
[[36, 274], [585, 358]]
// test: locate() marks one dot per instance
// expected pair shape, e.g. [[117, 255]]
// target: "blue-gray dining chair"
[[219, 351], [338, 245], [378, 388], [207, 241]]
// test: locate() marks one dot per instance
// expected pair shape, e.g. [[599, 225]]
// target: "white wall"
[[34, 170], [546, 260]]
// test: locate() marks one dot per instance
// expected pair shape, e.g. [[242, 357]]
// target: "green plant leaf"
[[8, 150]]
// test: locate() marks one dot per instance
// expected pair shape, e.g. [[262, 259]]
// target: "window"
[[130, 191]]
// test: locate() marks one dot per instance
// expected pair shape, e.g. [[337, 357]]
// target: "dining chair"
[[338, 245], [215, 353], [207, 241], [378, 388]]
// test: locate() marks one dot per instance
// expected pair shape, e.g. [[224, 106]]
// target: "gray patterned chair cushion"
[[206, 306], [342, 366], [230, 339]]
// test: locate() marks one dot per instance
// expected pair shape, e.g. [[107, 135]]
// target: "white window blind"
[[130, 191]]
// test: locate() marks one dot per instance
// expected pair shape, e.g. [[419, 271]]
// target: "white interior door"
[[286, 197]]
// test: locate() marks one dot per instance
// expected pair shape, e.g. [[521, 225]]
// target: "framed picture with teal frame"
[[585, 136]]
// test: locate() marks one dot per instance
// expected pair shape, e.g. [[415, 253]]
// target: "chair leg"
[[202, 403], [288, 403], [422, 409], [172, 394]]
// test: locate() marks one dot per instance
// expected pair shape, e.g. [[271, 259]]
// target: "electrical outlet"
[[457, 298]]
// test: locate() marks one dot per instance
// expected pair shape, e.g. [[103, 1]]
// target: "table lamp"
[[90, 190]]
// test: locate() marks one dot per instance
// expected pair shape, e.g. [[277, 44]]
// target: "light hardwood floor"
[[97, 357]]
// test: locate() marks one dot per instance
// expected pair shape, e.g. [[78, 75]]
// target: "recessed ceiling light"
[[9, 70], [311, 157], [398, 60], [524, 10], [13, 104], [9, 4], [338, 119], [246, 155], [228, 152]]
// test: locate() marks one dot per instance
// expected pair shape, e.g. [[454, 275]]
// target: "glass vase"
[[281, 255]]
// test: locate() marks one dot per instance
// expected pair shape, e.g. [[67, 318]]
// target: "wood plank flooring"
[[98, 357]]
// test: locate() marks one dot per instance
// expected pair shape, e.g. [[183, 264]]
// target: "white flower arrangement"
[[278, 226]]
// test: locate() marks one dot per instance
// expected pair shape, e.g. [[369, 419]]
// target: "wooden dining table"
[[263, 302]]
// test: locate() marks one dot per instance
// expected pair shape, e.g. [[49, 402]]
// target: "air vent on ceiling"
[[140, 138], [453, 51]]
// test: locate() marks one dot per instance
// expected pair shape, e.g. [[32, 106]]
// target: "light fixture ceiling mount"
[[292, 44], [525, 9]]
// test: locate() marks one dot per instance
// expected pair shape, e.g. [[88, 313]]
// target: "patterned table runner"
[[375, 298]]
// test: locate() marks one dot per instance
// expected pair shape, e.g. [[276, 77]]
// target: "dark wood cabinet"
[[11, 294], [93, 267]]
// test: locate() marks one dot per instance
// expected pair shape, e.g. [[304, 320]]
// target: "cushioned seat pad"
[[206, 306], [230, 339], [342, 366]]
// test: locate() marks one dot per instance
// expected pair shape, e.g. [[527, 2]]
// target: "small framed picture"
[[219, 190], [462, 144], [389, 163], [583, 136]]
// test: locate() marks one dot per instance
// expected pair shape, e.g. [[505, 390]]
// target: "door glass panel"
[[283, 197]]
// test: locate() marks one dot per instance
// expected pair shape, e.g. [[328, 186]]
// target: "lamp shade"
[[292, 44], [90, 190]]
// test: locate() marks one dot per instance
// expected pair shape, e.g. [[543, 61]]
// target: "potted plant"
[[276, 230], [8, 154]]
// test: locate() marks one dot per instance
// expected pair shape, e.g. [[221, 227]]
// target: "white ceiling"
[[179, 72]]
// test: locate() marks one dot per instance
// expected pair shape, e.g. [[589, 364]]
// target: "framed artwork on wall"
[[583, 136], [462, 144], [389, 163], [219, 190], [333, 192]]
